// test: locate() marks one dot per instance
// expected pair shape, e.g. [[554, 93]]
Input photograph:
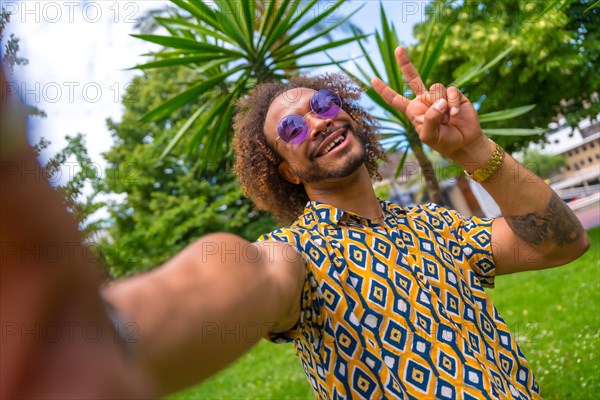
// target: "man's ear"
[[285, 169]]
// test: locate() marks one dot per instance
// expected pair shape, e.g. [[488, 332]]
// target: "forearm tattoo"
[[557, 223]]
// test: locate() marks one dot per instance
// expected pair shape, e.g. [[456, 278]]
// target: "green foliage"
[[80, 205], [168, 203], [229, 47], [596, 4], [73, 173], [268, 371], [543, 165], [555, 317], [10, 56], [149, 209], [397, 131], [553, 62]]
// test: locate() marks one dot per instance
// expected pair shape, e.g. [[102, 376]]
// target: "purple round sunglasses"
[[293, 128]]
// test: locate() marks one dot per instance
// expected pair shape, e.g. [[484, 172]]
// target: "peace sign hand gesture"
[[444, 118]]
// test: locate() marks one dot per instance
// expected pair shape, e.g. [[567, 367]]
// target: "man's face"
[[314, 160]]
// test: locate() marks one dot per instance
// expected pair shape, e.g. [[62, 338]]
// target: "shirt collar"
[[328, 214]]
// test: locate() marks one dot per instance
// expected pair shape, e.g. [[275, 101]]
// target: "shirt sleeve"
[[286, 236], [474, 236]]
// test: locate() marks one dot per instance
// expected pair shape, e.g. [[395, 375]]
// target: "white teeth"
[[332, 144]]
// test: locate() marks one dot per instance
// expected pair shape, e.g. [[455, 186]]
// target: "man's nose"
[[317, 124]]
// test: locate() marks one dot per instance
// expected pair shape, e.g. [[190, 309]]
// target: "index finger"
[[389, 95], [409, 72]]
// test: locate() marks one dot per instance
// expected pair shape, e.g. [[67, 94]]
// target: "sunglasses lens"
[[325, 103], [292, 129]]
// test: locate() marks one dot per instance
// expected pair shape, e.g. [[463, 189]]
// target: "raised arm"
[[208, 305], [538, 230]]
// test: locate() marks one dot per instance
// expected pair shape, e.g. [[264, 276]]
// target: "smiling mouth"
[[333, 144]]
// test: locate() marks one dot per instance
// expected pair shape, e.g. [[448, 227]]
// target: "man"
[[393, 304], [191, 317]]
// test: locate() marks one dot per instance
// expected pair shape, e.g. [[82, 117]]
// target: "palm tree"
[[397, 131], [231, 47]]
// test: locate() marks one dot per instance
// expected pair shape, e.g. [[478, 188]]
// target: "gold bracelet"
[[490, 167]]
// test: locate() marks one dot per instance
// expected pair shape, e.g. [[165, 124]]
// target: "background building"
[[578, 182]]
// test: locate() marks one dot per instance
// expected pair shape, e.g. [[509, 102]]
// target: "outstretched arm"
[[209, 304], [538, 229], [183, 321], [56, 337]]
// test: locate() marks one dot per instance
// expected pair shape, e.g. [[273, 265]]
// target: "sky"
[[79, 53]]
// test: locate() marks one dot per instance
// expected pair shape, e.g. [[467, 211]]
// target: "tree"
[[10, 56], [72, 173], [140, 210], [158, 199], [397, 129], [230, 46], [163, 205], [553, 62], [543, 165], [81, 205], [221, 52]]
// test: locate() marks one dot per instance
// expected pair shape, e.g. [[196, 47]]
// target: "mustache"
[[333, 128]]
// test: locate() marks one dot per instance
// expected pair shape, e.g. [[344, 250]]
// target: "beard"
[[320, 172]]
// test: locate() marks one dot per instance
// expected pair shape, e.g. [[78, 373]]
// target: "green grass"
[[268, 371], [554, 315]]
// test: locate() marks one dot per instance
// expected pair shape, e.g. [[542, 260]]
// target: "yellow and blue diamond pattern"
[[398, 310]]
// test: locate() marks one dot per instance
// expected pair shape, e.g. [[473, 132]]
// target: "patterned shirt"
[[397, 310]]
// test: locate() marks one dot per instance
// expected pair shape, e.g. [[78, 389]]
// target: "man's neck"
[[354, 193]]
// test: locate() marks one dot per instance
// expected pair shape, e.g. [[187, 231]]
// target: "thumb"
[[432, 120]]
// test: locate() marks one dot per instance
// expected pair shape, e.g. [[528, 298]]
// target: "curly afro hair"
[[256, 161]]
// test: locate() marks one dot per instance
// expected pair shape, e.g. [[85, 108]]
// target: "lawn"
[[268, 371], [554, 314]]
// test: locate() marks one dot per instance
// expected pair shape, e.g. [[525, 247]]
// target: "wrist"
[[475, 155]]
